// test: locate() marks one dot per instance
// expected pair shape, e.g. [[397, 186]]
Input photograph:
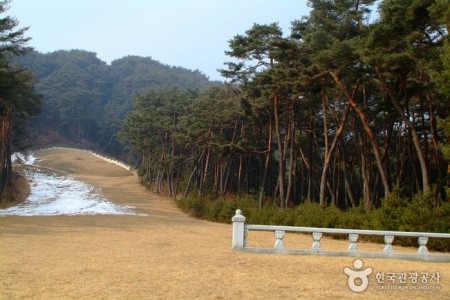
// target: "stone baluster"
[[423, 250], [316, 238], [388, 249], [279, 235], [352, 239]]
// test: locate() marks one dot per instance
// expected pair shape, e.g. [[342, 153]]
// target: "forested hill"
[[85, 99]]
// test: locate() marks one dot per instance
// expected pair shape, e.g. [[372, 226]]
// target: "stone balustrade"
[[241, 231]]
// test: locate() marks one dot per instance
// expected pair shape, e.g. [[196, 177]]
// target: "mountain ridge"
[[85, 99]]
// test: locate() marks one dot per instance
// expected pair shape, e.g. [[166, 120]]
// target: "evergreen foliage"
[[18, 100], [85, 100]]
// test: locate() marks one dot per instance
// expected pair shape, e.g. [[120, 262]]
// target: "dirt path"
[[167, 254]]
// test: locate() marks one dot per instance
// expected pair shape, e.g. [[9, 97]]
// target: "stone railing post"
[[279, 235], [352, 239], [238, 230], [316, 241], [423, 250], [388, 249]]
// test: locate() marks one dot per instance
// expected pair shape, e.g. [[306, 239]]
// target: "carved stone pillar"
[[352, 239], [279, 235], [423, 250], [316, 238], [388, 249], [238, 230]]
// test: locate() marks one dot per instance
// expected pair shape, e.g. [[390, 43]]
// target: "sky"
[[193, 34]]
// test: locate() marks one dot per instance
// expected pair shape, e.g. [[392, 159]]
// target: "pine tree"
[[17, 98]]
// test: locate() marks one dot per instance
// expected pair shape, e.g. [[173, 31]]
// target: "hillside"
[[85, 99]]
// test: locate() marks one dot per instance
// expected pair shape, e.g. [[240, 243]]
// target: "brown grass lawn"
[[167, 254]]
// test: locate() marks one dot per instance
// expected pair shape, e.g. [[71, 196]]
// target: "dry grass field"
[[167, 254]]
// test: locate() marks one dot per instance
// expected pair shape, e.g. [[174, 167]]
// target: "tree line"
[[343, 112]]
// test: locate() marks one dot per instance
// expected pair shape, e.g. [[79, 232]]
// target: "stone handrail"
[[241, 230]]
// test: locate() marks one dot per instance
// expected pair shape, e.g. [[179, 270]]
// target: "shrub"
[[389, 216], [309, 215], [214, 210], [195, 206], [355, 218], [426, 213]]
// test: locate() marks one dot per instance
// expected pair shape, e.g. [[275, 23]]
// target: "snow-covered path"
[[53, 194]]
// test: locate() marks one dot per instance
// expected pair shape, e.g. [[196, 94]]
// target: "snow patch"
[[27, 159], [58, 195]]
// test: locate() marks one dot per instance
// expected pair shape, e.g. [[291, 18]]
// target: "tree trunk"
[[329, 153], [434, 142], [177, 181], [415, 136], [306, 174], [365, 178], [362, 117], [186, 190], [348, 189], [280, 151], [205, 173], [266, 166], [291, 164]]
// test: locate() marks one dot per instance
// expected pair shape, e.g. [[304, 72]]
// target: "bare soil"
[[17, 192], [168, 254]]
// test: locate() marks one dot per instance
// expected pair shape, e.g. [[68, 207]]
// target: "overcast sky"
[[192, 33]]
